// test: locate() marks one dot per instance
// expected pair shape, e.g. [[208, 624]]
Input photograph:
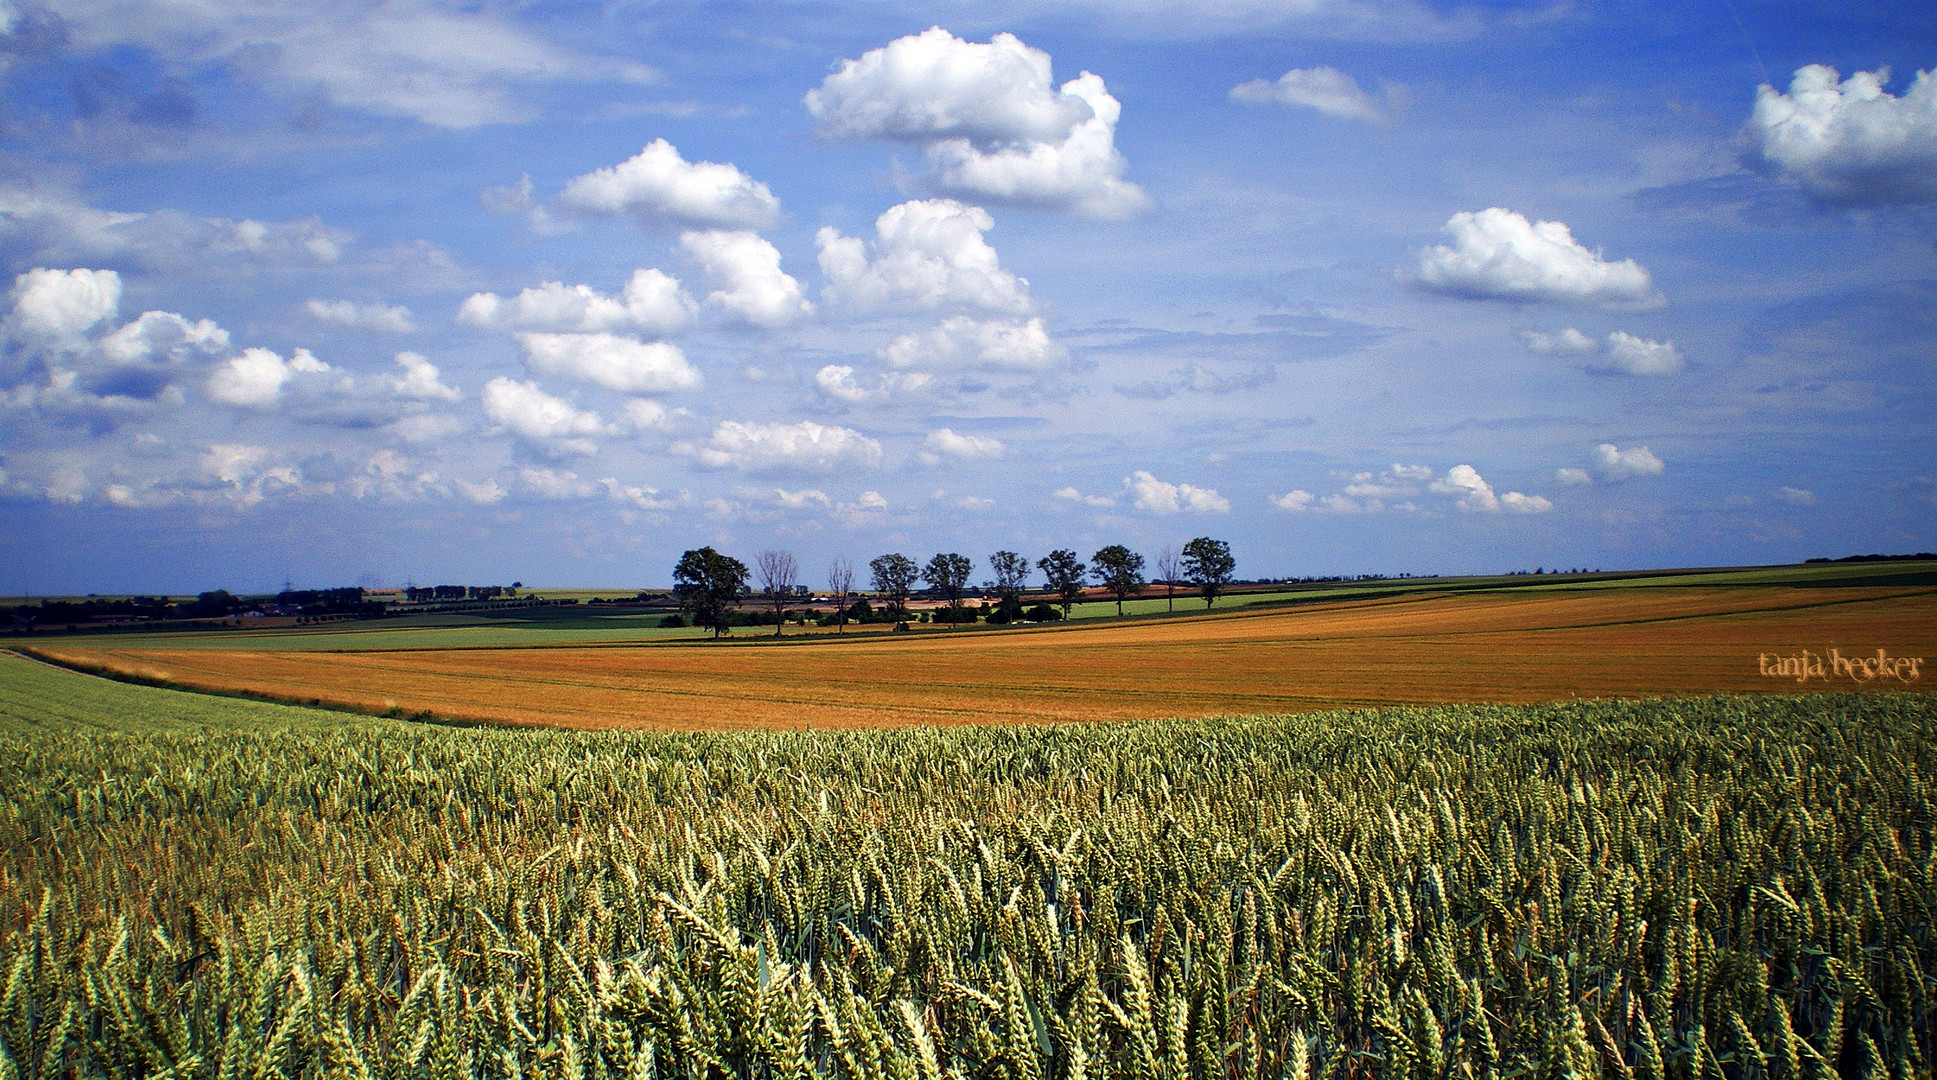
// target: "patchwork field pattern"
[[1417, 648]]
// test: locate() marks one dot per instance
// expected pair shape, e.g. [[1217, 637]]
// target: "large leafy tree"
[[1010, 570], [1208, 565], [1119, 570], [708, 585], [1065, 573], [948, 574], [894, 577], [779, 573]]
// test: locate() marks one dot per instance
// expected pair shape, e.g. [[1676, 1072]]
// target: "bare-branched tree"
[[840, 582], [779, 573], [1168, 562]]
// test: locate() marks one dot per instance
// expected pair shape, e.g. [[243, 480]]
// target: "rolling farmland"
[[1410, 646]]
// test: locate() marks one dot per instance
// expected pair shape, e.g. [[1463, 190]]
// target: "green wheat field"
[[1716, 887]]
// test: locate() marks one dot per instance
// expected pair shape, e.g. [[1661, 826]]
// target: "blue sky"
[[552, 292]]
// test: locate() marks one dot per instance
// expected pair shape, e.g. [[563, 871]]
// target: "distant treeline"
[[47, 612], [348, 601], [430, 594], [861, 611]]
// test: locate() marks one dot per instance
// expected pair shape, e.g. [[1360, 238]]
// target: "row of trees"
[[710, 585], [430, 594]]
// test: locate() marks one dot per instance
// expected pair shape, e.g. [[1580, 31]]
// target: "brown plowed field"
[[1413, 650]]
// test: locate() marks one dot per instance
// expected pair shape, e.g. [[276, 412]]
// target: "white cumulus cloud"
[[801, 447], [166, 336], [1476, 495], [641, 496], [1567, 342], [1621, 353], [1614, 463], [247, 472], [1082, 174], [990, 119], [63, 357], [557, 483], [866, 502], [1498, 254], [625, 364], [419, 380], [745, 271], [1572, 477], [1155, 496], [804, 499], [1630, 355], [1473, 490], [62, 304], [1514, 502], [1399, 481], [965, 342], [255, 379], [1295, 501], [530, 413], [384, 318], [928, 253], [1852, 142], [652, 301], [1325, 89], [935, 85], [946, 444], [842, 383], [656, 184]]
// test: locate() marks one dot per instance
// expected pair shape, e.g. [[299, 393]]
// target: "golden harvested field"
[[1423, 648]]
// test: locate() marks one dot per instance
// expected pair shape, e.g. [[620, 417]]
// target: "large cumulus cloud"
[[928, 253], [1498, 254], [657, 184], [549, 424], [989, 119], [613, 361], [749, 284], [1852, 141], [964, 342]]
